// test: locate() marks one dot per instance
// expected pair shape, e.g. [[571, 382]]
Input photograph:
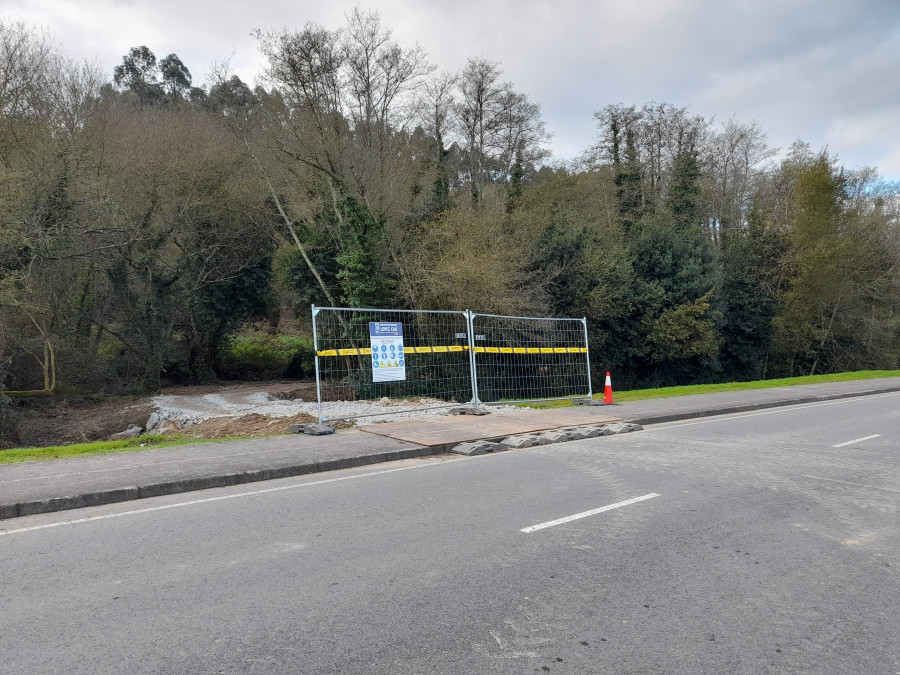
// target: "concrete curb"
[[728, 410], [28, 508]]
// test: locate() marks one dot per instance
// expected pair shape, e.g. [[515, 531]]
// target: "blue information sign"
[[388, 364]]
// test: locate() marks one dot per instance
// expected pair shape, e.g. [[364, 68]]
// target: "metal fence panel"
[[436, 357], [529, 359]]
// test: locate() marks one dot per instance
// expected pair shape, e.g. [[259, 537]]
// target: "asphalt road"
[[766, 542]]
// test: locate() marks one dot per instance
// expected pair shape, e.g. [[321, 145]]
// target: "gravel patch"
[[189, 410]]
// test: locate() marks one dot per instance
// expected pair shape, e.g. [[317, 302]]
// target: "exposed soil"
[[253, 424], [58, 421], [207, 411]]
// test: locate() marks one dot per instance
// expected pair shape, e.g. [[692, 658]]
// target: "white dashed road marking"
[[856, 440], [585, 514]]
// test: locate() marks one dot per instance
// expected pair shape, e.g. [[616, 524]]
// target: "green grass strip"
[[16, 455], [669, 392]]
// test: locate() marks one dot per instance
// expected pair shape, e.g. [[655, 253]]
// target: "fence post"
[[316, 350], [470, 321], [587, 356]]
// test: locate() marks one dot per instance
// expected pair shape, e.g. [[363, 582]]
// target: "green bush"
[[264, 357]]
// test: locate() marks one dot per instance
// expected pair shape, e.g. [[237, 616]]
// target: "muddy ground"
[[61, 421]]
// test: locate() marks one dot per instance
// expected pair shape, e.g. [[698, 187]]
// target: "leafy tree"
[[138, 74], [842, 266], [678, 266], [629, 176], [176, 78], [746, 307], [683, 196]]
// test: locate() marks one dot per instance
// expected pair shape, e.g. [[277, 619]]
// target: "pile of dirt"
[[253, 424]]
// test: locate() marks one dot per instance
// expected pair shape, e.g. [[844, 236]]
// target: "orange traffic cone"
[[607, 390]]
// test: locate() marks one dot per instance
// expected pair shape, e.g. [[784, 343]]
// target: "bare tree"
[[436, 106], [496, 124], [25, 66], [734, 159]]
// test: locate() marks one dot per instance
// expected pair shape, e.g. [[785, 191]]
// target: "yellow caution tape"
[[443, 349]]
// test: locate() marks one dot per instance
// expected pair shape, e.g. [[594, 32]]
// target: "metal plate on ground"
[[452, 430]]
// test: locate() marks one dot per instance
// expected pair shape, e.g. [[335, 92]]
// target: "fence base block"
[[469, 411], [621, 428], [478, 448], [519, 441], [311, 429]]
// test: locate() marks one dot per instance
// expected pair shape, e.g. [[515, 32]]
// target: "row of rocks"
[[521, 441], [155, 425]]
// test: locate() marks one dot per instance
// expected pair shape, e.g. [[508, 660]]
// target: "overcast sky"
[[825, 71]]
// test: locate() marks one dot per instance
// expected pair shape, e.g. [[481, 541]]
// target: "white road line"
[[847, 482], [585, 514], [207, 500], [856, 440]]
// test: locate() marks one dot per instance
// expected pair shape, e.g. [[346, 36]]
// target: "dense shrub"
[[268, 357]]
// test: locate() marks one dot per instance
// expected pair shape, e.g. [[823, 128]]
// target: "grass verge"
[[16, 455], [669, 392]]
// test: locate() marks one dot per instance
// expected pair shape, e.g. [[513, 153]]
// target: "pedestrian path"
[[449, 431]]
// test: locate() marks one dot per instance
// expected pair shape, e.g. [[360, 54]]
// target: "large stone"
[[168, 426], [131, 432], [473, 448], [152, 422], [318, 429]]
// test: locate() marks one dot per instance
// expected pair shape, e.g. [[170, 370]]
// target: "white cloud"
[[821, 70]]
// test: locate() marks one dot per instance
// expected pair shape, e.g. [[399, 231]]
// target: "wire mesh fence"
[[426, 359], [370, 354], [529, 359]]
